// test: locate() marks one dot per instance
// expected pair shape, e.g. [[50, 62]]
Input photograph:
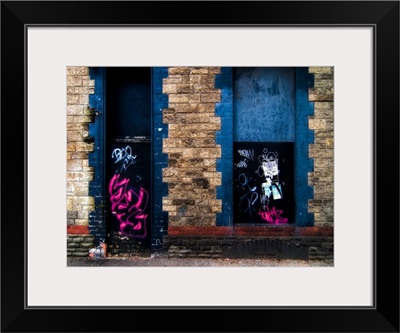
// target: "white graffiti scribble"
[[267, 156], [124, 155], [241, 164], [248, 153], [247, 201]]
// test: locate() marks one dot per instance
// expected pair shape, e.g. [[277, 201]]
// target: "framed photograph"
[[330, 70]]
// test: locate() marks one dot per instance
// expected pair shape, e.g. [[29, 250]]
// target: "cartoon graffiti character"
[[270, 188], [128, 207], [270, 168]]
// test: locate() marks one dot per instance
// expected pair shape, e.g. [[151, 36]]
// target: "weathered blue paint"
[[304, 137], [224, 137], [97, 223], [264, 104], [159, 225]]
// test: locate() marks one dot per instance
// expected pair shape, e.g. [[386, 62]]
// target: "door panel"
[[263, 182], [128, 160], [264, 105]]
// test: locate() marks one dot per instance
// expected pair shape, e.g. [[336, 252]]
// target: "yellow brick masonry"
[[192, 152], [79, 203], [322, 150]]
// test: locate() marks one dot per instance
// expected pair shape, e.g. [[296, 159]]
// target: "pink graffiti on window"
[[128, 207], [273, 216]]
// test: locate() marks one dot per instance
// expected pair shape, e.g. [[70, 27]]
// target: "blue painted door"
[[264, 108]]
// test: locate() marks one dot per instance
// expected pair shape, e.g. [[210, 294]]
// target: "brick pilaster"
[[79, 203], [191, 174], [322, 149]]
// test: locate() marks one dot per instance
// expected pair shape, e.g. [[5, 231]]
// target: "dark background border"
[[383, 318]]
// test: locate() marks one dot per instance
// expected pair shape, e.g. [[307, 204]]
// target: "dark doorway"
[[128, 159]]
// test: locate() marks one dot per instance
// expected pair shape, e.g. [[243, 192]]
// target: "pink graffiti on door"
[[273, 216], [128, 207]]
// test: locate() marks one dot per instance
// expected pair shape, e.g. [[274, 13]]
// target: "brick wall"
[[79, 203], [322, 149], [306, 243], [79, 245], [191, 174]]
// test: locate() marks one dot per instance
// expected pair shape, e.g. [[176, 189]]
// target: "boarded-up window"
[[264, 133]]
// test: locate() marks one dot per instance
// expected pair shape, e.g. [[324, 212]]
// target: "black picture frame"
[[383, 316]]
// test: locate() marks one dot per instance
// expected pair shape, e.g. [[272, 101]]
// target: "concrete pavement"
[[195, 262]]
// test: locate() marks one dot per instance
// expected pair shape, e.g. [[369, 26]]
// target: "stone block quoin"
[[322, 150], [79, 145], [191, 174]]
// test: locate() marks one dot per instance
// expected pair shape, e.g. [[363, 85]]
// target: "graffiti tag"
[[250, 197], [248, 153], [128, 207], [258, 185], [125, 156], [273, 216], [241, 164]]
